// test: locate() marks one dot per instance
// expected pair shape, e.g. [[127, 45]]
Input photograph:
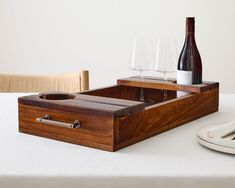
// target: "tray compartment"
[[133, 93]]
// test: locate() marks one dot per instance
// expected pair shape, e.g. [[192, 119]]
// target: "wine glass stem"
[[165, 91], [164, 95], [141, 94], [165, 76], [141, 74]]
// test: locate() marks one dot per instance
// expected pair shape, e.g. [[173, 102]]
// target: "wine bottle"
[[189, 70]]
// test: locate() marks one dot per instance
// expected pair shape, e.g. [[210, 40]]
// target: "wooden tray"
[[113, 117]]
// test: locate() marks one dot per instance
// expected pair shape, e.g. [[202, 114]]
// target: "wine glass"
[[142, 59], [142, 55], [166, 56]]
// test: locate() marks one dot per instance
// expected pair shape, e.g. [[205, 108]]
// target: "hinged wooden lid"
[[80, 102]]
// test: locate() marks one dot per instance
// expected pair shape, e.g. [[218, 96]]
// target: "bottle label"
[[185, 78]]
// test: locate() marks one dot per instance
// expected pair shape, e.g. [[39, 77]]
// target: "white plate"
[[226, 144], [215, 146], [203, 134]]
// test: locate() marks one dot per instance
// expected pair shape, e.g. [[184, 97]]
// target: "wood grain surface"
[[164, 116], [150, 82], [96, 129], [113, 107]]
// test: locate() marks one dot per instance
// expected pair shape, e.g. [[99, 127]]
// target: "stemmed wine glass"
[[142, 55], [166, 58], [142, 58]]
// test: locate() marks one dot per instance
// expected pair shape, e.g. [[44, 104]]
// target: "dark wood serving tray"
[[113, 117]]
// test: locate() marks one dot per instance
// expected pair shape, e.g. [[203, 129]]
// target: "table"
[[171, 159]]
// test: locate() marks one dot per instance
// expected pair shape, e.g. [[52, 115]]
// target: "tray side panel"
[[96, 130], [162, 117], [117, 91]]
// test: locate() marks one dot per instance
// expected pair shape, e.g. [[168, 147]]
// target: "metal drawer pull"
[[47, 120]]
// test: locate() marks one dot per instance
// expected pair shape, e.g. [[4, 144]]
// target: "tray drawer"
[[96, 117], [94, 131]]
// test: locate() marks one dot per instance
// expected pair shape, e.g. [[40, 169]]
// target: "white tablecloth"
[[172, 159]]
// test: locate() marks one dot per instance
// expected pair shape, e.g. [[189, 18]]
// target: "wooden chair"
[[71, 82]]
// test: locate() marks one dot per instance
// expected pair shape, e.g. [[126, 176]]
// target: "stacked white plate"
[[218, 137]]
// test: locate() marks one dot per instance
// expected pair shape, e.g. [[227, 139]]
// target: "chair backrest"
[[72, 82]]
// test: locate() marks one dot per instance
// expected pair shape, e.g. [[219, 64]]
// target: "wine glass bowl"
[[142, 55], [166, 56]]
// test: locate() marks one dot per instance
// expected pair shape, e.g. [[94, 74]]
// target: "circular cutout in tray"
[[56, 96]]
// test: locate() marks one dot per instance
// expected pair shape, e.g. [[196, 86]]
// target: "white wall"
[[44, 36]]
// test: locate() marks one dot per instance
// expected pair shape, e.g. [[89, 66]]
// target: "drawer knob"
[[47, 120]]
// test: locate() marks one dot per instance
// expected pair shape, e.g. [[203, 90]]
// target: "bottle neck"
[[190, 33]]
